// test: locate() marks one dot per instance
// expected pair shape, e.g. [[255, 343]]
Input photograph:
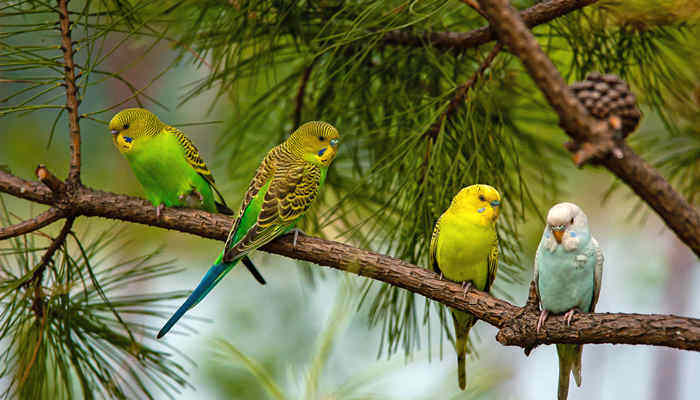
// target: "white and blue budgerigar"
[[568, 272]]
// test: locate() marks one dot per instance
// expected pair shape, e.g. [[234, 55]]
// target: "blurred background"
[[305, 334]]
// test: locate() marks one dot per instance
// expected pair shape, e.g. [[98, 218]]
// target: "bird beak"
[[558, 235], [114, 132]]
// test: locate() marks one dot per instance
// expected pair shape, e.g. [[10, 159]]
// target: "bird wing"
[[492, 263], [263, 175], [598, 272], [433, 247], [537, 272], [294, 187], [197, 163]]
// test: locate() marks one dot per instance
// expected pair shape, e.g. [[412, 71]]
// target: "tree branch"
[[44, 219], [459, 41], [597, 137], [516, 324], [72, 101]]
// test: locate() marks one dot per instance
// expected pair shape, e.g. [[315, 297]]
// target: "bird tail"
[[212, 277], [569, 362], [463, 323]]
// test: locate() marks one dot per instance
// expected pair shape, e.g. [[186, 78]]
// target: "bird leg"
[[440, 275], [296, 232], [570, 314], [540, 321], [159, 209]]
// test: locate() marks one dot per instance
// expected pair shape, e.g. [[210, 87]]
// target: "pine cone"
[[608, 97]]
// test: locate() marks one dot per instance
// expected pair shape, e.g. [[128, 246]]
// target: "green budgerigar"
[[285, 185], [464, 248], [168, 166], [165, 162], [568, 273]]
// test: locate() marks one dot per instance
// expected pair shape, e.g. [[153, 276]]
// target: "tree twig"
[[38, 275], [44, 219], [516, 324], [72, 101], [299, 99], [596, 136], [538, 14]]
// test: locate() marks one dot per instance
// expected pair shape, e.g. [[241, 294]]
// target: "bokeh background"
[[306, 331]]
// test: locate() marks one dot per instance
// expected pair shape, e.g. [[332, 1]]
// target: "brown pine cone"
[[608, 97]]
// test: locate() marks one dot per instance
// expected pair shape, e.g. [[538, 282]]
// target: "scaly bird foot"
[[543, 317], [570, 314], [159, 209]]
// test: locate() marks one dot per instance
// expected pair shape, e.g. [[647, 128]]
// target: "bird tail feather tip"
[[212, 277], [569, 363]]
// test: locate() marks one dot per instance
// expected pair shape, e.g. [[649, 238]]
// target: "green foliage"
[[79, 334]]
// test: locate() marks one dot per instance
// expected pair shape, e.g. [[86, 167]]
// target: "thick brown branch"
[[517, 324], [458, 41], [72, 101], [651, 186], [44, 219]]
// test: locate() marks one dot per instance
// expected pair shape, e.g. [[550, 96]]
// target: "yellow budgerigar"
[[464, 248]]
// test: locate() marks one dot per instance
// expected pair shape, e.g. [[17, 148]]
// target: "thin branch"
[[460, 95], [72, 101], [38, 275], [475, 6], [596, 138], [299, 100], [459, 41], [44, 219], [516, 324]]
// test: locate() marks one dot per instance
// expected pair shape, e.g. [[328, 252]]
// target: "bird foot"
[[540, 321], [440, 275], [466, 286], [296, 232], [569, 315], [159, 209]]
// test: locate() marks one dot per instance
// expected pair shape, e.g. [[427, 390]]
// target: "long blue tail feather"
[[210, 279]]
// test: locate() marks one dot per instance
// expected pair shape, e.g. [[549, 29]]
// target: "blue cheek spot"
[[482, 209], [128, 139], [320, 152], [572, 234]]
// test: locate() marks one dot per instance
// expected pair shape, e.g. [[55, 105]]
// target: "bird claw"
[[466, 286], [296, 232], [540, 321], [159, 209], [569, 315], [440, 275]]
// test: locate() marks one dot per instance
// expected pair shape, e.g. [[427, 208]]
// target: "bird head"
[[567, 223], [132, 124], [316, 142], [481, 201]]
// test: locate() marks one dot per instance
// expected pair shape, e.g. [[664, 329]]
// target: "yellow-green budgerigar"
[[285, 185], [168, 165], [464, 248]]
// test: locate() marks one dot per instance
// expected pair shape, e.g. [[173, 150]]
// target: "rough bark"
[[596, 138], [517, 324]]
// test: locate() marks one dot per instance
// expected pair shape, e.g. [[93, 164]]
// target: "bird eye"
[[572, 221], [126, 126], [321, 138], [482, 198]]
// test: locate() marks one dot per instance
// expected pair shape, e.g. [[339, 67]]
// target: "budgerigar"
[[464, 248], [285, 185], [568, 272], [168, 165]]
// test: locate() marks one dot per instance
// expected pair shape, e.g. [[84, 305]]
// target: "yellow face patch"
[[124, 143]]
